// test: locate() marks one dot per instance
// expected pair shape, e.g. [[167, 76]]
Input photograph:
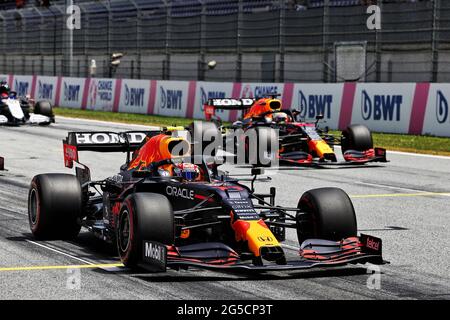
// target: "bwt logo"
[[171, 99], [381, 107], [21, 87], [206, 95], [134, 97], [314, 104], [45, 90], [71, 92], [441, 107]]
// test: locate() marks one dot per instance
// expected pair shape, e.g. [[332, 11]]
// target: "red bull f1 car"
[[300, 142], [169, 208]]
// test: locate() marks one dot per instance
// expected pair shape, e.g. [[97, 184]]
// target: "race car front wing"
[[314, 253]]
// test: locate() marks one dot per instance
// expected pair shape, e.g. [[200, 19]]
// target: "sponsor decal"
[[101, 94], [71, 92], [441, 107], [134, 97], [263, 91], [314, 104], [21, 87], [381, 107], [232, 102], [155, 254], [180, 192], [45, 90], [260, 91], [372, 244], [207, 95], [109, 138], [171, 99], [265, 239]]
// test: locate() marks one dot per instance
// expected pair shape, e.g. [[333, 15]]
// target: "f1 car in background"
[[300, 142], [16, 110], [167, 209]]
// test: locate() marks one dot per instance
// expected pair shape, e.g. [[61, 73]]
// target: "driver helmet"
[[4, 88], [187, 171], [280, 117]]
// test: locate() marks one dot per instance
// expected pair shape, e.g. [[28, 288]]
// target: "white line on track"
[[59, 252], [391, 187], [107, 122]]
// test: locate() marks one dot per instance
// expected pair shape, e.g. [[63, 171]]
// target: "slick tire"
[[327, 213], [259, 144], [206, 137], [44, 108], [54, 206], [356, 137], [143, 216]]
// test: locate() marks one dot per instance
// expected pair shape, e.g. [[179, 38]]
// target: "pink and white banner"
[[411, 108]]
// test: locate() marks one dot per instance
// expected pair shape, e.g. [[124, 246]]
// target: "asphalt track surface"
[[405, 202]]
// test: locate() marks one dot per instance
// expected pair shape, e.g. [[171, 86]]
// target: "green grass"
[[123, 117], [397, 142]]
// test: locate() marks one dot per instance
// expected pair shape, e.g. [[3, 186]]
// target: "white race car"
[[17, 110]]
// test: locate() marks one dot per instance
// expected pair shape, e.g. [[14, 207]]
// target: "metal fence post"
[[138, 38], [201, 60], [325, 25], [378, 45], [434, 41], [281, 41], [238, 42], [166, 61]]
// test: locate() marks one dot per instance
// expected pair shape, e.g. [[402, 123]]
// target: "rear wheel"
[[356, 137], [144, 216], [327, 213], [55, 206], [44, 108]]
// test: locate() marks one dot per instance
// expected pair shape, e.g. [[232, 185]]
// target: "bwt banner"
[[412, 108], [71, 93]]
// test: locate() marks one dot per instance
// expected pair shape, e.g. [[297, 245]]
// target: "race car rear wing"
[[212, 105], [102, 141]]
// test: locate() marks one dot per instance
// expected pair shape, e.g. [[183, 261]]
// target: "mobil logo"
[[381, 107], [134, 97], [441, 107], [170, 99], [21, 87], [71, 92], [314, 104], [206, 95], [45, 90]]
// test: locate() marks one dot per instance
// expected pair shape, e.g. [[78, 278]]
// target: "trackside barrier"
[[412, 108]]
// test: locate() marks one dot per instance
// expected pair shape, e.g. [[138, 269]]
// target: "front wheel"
[[356, 137], [326, 213], [144, 216]]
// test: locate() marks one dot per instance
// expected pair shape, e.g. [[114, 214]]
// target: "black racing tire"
[[44, 108], [55, 206], [266, 138], [327, 213], [207, 135], [356, 137], [143, 216]]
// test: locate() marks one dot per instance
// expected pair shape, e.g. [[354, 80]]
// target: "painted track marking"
[[62, 267]]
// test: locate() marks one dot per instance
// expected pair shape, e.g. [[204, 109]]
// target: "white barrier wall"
[[414, 108]]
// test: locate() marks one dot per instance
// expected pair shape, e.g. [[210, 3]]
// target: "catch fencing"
[[251, 40]]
